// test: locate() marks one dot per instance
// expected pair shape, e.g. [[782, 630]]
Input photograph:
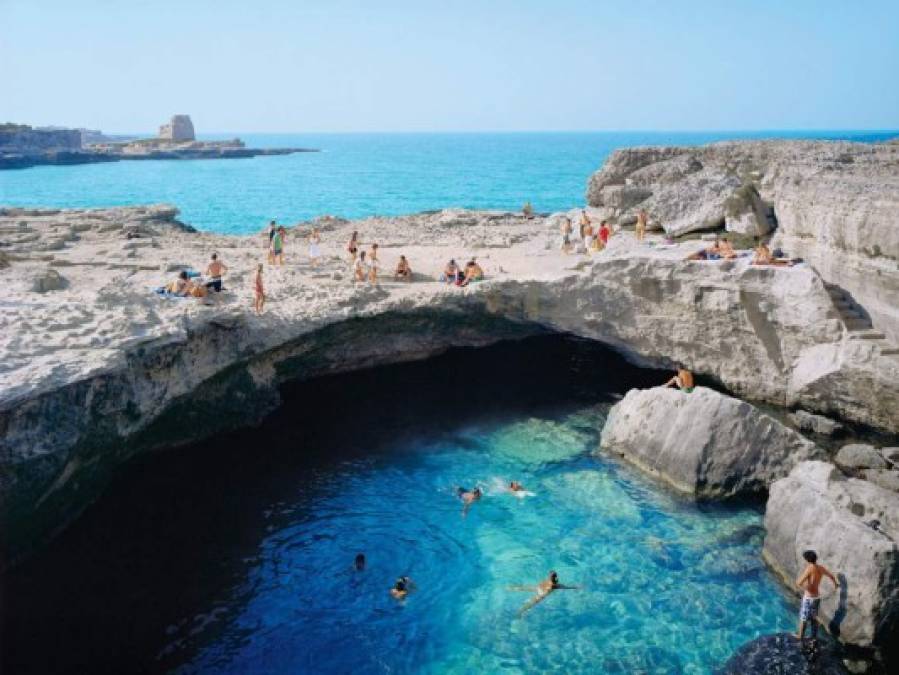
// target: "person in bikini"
[[214, 271], [683, 380], [373, 264], [360, 267], [809, 582], [543, 589], [353, 247], [640, 227]]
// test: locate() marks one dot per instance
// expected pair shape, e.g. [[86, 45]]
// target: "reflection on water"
[[235, 556]]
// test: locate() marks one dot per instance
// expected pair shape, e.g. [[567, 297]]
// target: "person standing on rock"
[[276, 257], [315, 251], [214, 271], [353, 247], [640, 228], [272, 229], [259, 291], [808, 582], [683, 380], [565, 229]]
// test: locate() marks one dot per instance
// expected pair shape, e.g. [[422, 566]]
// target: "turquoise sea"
[[359, 175]]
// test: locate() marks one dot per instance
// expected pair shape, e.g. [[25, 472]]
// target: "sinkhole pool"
[[235, 555]]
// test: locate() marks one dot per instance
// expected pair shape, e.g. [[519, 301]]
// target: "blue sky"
[[345, 65]]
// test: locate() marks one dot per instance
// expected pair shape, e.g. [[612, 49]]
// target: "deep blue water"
[[234, 555], [358, 175]]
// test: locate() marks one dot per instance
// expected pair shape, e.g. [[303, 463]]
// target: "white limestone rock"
[[819, 424], [885, 478], [853, 526], [854, 456], [703, 443]]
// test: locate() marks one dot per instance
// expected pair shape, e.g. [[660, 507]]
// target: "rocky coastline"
[[97, 367]]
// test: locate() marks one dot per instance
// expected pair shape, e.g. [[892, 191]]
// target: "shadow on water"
[[178, 528]]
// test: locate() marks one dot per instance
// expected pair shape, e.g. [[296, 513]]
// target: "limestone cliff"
[[833, 203]]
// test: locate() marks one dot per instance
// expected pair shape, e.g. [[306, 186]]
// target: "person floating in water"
[[683, 380], [402, 588], [808, 583], [359, 562], [543, 589], [468, 497], [515, 486]]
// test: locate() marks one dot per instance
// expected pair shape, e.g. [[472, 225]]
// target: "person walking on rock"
[[258, 290], [808, 582], [640, 228]]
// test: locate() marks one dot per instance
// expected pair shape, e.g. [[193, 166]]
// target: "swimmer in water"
[[468, 497], [359, 562], [544, 588], [402, 588], [515, 486]]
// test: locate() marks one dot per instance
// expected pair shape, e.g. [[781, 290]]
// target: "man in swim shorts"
[[214, 271], [808, 582]]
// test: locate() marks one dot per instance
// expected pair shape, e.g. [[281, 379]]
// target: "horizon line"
[[868, 130]]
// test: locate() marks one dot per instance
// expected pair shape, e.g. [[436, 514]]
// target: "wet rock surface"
[[783, 654]]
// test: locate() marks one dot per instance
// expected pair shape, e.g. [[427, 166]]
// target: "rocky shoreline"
[[67, 157], [96, 367]]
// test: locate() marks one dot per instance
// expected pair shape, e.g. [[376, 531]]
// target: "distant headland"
[[22, 146]]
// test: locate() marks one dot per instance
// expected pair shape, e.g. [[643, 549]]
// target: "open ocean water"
[[358, 175]]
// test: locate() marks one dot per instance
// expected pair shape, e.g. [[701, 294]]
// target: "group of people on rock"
[[455, 275], [366, 264], [594, 241]]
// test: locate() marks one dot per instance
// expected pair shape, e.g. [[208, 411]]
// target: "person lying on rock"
[[712, 252], [808, 582], [726, 249], [683, 380], [763, 256], [403, 270], [543, 589]]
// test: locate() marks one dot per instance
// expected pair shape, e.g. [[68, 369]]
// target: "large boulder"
[[834, 204], [854, 456], [704, 443], [853, 526]]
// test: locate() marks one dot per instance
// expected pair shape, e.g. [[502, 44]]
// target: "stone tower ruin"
[[179, 129]]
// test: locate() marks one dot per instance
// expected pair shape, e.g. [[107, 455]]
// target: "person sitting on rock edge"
[[450, 272], [403, 270], [709, 253], [683, 380], [473, 272]]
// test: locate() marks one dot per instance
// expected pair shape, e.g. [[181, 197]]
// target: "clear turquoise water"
[[233, 555], [668, 587], [357, 175]]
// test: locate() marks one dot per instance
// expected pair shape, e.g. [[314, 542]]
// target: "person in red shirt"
[[604, 233]]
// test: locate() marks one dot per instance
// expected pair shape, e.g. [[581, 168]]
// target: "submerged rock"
[[783, 654], [703, 443], [853, 526]]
